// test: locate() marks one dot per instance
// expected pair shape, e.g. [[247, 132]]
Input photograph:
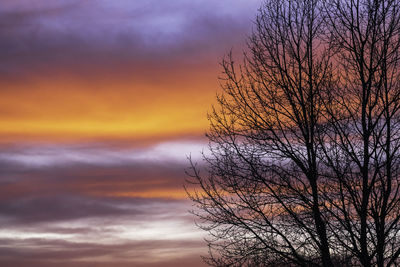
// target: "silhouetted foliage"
[[304, 166]]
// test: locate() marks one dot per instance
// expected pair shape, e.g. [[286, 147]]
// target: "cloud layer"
[[92, 203], [91, 92], [79, 35]]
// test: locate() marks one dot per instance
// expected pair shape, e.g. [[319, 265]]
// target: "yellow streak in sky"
[[77, 108]]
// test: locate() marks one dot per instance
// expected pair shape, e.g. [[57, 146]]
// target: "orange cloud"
[[118, 107]]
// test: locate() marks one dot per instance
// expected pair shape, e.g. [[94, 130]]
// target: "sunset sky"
[[100, 104]]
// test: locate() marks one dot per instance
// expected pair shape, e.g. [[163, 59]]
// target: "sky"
[[101, 102]]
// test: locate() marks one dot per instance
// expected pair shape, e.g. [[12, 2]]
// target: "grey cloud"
[[39, 252], [101, 240], [57, 194], [34, 209]]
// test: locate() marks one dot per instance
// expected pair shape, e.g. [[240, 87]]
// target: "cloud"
[[80, 35], [38, 230], [72, 257], [42, 183], [128, 231], [93, 204], [42, 252], [42, 155], [113, 69], [33, 209]]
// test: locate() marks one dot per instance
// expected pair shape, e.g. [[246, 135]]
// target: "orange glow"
[[74, 108], [166, 194]]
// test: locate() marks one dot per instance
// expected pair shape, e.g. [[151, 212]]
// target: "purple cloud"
[[118, 33]]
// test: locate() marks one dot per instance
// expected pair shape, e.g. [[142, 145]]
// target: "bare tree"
[[261, 199], [303, 167], [362, 157]]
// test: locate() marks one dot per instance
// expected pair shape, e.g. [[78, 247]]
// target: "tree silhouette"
[[304, 166]]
